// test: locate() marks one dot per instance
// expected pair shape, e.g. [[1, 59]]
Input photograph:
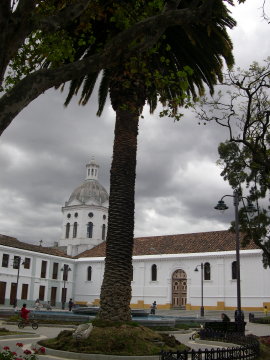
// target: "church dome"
[[90, 190]]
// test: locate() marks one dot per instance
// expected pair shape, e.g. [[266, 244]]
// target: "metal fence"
[[249, 349]]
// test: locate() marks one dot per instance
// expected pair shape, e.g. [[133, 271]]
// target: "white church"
[[163, 266]]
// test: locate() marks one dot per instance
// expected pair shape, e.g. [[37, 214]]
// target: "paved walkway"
[[255, 329]]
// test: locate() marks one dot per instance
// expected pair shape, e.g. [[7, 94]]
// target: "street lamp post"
[[65, 270], [17, 264], [239, 317], [202, 307]]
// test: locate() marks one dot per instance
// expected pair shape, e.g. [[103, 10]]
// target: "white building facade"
[[168, 279], [163, 266], [30, 272], [171, 281]]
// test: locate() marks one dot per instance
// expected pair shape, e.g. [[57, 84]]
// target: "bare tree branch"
[[52, 23], [244, 110]]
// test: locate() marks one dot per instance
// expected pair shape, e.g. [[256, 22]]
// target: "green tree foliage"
[[167, 71], [240, 171], [244, 109], [31, 30]]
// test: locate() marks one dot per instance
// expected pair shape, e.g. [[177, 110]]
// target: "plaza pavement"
[[251, 328], [256, 329]]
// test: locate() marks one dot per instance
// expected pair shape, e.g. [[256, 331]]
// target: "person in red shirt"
[[24, 313]]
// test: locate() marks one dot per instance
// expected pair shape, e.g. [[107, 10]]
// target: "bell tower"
[[92, 170], [85, 214]]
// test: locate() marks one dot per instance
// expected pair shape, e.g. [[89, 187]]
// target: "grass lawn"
[[17, 318], [4, 331], [262, 320], [265, 348]]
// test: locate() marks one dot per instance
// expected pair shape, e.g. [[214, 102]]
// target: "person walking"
[[70, 304], [265, 310], [239, 316], [153, 308]]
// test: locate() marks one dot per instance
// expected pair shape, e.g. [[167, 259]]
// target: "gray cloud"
[[44, 152]]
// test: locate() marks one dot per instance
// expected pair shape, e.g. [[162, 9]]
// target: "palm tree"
[[130, 86]]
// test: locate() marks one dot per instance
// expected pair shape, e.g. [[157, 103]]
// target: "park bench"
[[220, 329]]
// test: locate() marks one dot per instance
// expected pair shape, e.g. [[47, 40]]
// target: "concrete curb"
[[81, 356], [181, 332], [19, 336], [216, 343]]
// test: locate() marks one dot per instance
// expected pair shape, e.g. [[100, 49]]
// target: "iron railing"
[[248, 349]]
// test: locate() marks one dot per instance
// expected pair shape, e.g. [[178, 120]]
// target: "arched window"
[[207, 271], [234, 270], [75, 226], [89, 273], [154, 272], [67, 230], [90, 230], [103, 232]]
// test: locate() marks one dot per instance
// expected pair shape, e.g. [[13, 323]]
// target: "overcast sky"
[[44, 152]]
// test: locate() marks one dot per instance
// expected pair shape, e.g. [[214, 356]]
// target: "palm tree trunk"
[[116, 287]]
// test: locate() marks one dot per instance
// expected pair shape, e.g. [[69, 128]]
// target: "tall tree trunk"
[[116, 287]]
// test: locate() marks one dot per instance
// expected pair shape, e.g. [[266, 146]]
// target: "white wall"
[[255, 284], [88, 291], [255, 288]]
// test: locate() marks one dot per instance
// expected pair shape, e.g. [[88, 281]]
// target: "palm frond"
[[88, 87], [103, 90]]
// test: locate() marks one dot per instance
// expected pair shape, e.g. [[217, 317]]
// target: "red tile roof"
[[212, 241], [14, 243]]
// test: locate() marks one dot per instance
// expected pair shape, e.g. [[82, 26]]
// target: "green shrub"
[[264, 353], [122, 339], [262, 320]]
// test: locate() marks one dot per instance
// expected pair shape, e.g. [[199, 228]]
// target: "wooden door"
[[13, 292], [24, 295], [3, 286], [53, 295], [179, 289], [64, 295], [41, 295]]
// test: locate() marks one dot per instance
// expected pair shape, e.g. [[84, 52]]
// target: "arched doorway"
[[179, 289]]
